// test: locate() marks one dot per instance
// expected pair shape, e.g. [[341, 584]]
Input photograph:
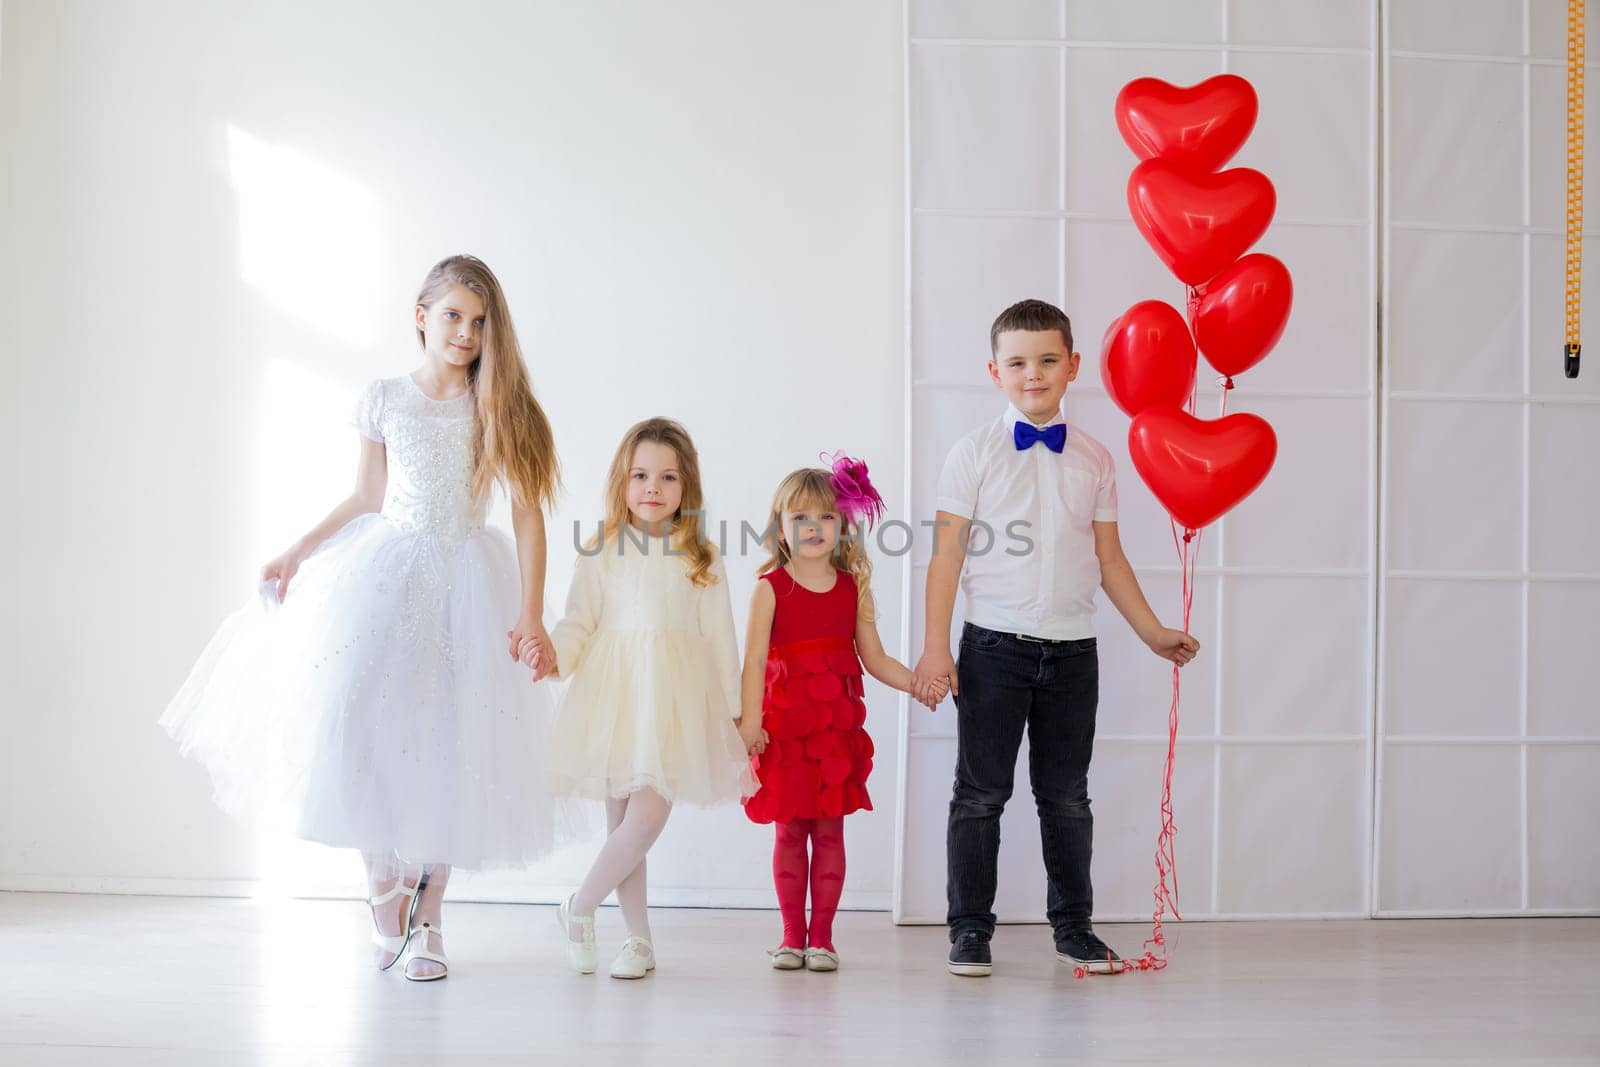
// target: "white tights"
[[633, 823]]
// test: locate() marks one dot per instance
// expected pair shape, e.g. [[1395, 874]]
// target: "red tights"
[[823, 872]]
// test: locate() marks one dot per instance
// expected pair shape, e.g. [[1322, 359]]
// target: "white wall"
[[10, 464], [1489, 766], [221, 213]]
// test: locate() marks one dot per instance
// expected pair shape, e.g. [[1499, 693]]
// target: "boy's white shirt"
[[1046, 590]]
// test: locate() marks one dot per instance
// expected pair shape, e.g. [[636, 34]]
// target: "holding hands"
[[933, 692], [934, 677], [754, 737], [531, 645]]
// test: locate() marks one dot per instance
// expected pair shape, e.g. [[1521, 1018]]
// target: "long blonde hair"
[[685, 524], [515, 444], [811, 489]]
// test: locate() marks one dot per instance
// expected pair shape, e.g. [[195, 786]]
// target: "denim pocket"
[[980, 639]]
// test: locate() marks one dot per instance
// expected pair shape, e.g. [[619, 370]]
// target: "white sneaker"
[[580, 954], [636, 959]]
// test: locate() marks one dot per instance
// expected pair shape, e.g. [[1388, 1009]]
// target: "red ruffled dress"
[[818, 757]]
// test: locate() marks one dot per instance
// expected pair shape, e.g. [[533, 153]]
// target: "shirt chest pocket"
[[1077, 496]]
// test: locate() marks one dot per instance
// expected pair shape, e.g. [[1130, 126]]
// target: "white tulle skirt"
[[378, 707]]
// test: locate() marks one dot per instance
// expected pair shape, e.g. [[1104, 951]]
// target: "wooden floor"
[[152, 980]]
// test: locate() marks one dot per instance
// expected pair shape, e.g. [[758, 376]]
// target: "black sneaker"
[[1082, 948], [969, 956]]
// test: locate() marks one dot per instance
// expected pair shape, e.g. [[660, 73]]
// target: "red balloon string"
[[1153, 955]]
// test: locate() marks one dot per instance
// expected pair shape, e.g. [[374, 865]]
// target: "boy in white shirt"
[[1029, 507]]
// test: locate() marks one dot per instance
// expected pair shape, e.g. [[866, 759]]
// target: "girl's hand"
[[280, 570], [531, 627], [938, 689], [754, 737], [526, 624], [1175, 645], [936, 667], [538, 653]]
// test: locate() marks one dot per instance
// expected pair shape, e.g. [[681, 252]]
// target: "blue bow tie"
[[1025, 434]]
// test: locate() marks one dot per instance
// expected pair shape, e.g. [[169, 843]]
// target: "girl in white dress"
[[649, 717], [371, 698]]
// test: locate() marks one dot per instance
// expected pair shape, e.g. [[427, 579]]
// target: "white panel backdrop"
[[1478, 799], [1017, 180], [1490, 754]]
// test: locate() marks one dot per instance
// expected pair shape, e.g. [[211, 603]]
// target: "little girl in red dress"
[[812, 631]]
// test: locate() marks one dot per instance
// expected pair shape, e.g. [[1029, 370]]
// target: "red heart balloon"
[[1198, 127], [1199, 223], [1242, 311], [1147, 358], [1197, 468]]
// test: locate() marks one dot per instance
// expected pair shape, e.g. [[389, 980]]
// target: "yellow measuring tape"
[[1575, 26]]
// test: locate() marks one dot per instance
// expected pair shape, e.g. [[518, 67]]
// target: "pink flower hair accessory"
[[858, 500]]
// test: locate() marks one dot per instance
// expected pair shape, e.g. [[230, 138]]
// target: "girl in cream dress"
[[649, 717]]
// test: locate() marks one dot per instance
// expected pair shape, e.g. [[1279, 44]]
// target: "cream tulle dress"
[[653, 680]]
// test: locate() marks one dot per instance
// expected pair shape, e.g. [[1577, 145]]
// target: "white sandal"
[[394, 945], [425, 953]]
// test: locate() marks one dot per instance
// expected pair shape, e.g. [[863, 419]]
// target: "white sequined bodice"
[[429, 446]]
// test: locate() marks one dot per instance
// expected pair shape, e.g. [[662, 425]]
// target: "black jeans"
[[1008, 682]]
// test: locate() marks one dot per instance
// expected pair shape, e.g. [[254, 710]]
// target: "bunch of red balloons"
[[1201, 221]]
